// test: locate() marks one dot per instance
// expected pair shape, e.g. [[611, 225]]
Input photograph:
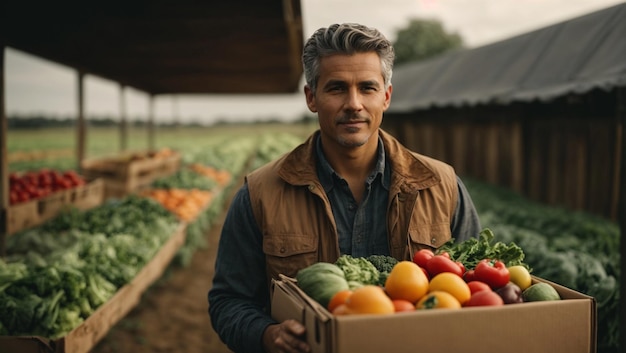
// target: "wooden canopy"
[[166, 47]]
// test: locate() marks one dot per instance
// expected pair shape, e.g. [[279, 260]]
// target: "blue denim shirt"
[[239, 298], [362, 228]]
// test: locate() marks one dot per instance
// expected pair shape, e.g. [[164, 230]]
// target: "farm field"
[[31, 149], [577, 250]]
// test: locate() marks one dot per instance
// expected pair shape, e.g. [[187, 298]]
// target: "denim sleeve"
[[239, 296], [465, 223]]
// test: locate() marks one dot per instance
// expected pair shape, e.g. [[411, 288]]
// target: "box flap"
[[290, 302], [290, 285]]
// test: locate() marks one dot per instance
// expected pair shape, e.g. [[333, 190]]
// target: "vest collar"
[[409, 172]]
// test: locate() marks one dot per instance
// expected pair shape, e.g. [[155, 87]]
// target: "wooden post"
[[151, 128], [80, 123], [621, 115], [123, 123], [4, 165], [175, 112]]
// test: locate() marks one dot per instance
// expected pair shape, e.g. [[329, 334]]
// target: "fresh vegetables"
[[185, 179], [358, 271], [422, 256], [338, 298], [383, 264], [485, 298], [321, 281], [471, 251], [451, 283], [54, 276], [185, 203], [494, 273], [438, 300], [444, 283], [221, 176], [406, 281], [37, 184], [442, 263], [478, 286], [510, 293], [539, 292], [368, 299], [520, 276]]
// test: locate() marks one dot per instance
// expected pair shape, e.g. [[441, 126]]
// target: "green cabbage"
[[321, 281]]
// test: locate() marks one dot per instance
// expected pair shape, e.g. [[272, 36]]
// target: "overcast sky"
[[34, 85]]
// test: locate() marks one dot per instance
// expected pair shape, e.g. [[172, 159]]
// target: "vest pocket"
[[287, 253], [429, 236]]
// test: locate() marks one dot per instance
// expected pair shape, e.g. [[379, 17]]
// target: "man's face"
[[350, 98]]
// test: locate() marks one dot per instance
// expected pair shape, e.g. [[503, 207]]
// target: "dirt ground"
[[172, 315]]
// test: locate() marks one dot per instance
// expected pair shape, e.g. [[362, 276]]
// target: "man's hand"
[[287, 337]]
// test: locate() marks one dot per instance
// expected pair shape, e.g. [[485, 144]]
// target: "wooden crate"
[[34, 212], [122, 178], [84, 337]]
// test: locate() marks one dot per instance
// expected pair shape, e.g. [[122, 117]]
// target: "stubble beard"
[[350, 142]]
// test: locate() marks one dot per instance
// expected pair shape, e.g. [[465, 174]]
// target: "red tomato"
[[469, 276], [461, 266], [477, 286], [484, 298], [13, 197], [421, 257], [401, 305], [441, 263], [22, 196], [425, 273]]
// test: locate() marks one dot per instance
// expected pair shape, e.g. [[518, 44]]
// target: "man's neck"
[[354, 163]]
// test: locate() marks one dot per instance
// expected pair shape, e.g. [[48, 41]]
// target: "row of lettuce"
[[56, 275], [67, 279]]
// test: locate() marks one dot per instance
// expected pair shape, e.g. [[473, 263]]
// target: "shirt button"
[[311, 187], [433, 241], [282, 250]]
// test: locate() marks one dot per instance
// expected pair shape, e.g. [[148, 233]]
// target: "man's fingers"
[[294, 327]]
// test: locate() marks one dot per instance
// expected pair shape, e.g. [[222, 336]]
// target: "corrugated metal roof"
[[575, 56]]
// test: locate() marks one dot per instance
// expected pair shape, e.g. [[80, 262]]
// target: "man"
[[350, 188]]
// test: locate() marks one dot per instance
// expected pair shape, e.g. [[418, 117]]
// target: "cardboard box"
[[567, 326], [84, 337]]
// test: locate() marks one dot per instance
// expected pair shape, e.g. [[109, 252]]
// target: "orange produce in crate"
[[221, 176], [186, 204], [369, 299]]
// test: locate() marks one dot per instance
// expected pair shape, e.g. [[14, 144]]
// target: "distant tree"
[[422, 39]]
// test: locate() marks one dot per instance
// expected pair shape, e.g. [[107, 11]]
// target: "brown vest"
[[297, 223]]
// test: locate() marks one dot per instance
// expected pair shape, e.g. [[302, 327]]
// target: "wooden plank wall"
[[564, 155]]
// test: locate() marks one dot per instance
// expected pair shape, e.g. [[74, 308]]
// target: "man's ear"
[[310, 99], [388, 96]]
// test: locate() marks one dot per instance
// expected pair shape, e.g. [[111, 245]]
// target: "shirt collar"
[[327, 174]]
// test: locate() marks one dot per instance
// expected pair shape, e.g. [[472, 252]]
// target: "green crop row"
[[575, 249]]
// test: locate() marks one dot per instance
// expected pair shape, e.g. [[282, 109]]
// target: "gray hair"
[[347, 38]]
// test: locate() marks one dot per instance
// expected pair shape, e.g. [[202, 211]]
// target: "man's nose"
[[353, 100]]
